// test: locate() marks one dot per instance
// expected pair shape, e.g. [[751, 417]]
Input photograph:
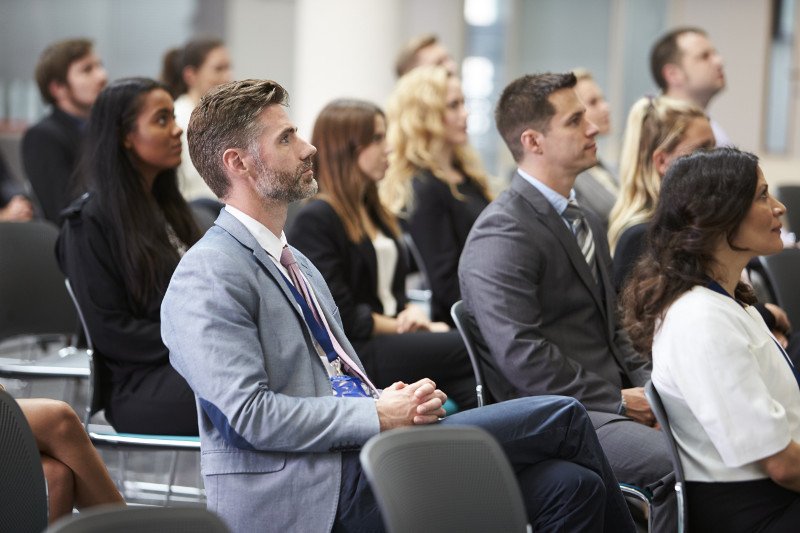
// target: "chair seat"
[[102, 434]]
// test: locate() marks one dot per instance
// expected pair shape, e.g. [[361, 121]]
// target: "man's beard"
[[284, 186]]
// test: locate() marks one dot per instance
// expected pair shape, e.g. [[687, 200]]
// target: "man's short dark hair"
[[54, 63], [227, 117], [666, 51], [407, 58], [525, 104]]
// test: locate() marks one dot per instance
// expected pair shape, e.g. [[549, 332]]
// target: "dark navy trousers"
[[565, 479]]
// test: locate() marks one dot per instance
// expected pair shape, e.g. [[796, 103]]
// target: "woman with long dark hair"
[[730, 390], [356, 243], [119, 245]]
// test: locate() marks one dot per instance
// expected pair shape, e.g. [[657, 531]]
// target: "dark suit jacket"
[[128, 339], [350, 270], [50, 154], [439, 225], [550, 328], [629, 249]]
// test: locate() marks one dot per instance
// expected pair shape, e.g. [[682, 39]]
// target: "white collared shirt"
[[273, 245], [554, 198], [266, 239]]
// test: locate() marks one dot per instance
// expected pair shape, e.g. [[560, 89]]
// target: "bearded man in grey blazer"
[[534, 277], [283, 400]]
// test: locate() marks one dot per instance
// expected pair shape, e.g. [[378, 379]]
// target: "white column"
[[344, 48]]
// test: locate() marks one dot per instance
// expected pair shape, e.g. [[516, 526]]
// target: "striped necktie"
[[583, 234]]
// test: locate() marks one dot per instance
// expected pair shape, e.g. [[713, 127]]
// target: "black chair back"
[[98, 372], [32, 296], [136, 519], [680, 482], [23, 492], [469, 333]]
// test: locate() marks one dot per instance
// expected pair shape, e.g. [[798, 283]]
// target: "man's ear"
[[237, 163], [58, 90], [531, 141], [673, 74]]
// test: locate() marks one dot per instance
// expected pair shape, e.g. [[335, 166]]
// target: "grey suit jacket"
[[271, 432], [593, 195], [549, 327]]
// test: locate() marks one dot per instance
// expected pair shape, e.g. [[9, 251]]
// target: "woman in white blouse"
[[730, 391]]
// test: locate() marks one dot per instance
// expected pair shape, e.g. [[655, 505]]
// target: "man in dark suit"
[[246, 317], [534, 276], [70, 76]]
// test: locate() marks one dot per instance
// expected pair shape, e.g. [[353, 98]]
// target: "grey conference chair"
[[23, 491], [35, 311], [137, 519], [782, 271], [103, 435], [638, 502], [467, 328], [680, 482], [32, 297], [443, 479]]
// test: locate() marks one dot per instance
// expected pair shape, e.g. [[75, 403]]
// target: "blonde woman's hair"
[[416, 134], [654, 124]]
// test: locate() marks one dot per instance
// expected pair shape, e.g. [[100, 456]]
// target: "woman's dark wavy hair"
[[704, 196], [138, 218]]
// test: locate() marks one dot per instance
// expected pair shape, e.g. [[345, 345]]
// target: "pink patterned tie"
[[290, 263]]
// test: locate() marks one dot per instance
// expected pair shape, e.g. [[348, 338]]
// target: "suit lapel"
[[553, 222], [236, 229], [317, 284]]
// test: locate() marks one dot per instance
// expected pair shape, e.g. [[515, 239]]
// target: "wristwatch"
[[623, 405]]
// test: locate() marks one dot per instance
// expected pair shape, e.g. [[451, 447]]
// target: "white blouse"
[[728, 390], [190, 182], [386, 254]]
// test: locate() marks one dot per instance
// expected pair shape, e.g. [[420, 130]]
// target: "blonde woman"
[[435, 181], [659, 130]]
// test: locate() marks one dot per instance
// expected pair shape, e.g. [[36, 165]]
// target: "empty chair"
[[32, 296], [35, 310], [23, 491], [680, 485], [138, 519], [468, 482], [102, 435], [782, 271]]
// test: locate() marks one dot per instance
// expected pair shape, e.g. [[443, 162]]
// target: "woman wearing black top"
[[119, 245], [435, 180], [356, 244]]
